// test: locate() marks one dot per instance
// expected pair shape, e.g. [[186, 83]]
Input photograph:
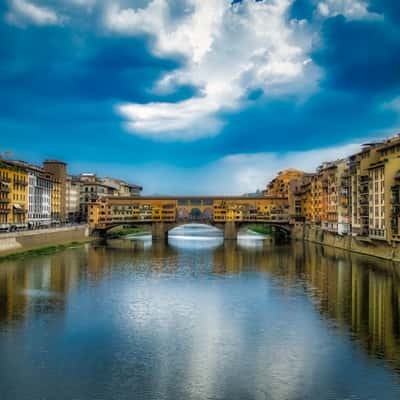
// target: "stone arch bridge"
[[227, 213]]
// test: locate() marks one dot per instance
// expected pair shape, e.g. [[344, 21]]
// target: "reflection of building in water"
[[11, 305], [38, 285], [358, 295], [364, 297]]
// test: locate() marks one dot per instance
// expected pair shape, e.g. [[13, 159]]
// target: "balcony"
[[5, 180], [379, 234], [4, 210], [4, 201]]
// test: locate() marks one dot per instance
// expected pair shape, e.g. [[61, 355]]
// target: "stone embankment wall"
[[28, 240], [376, 248]]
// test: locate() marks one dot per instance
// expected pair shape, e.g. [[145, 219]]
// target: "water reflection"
[[200, 319]]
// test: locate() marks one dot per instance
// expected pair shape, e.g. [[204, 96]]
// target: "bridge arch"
[[194, 225], [284, 230]]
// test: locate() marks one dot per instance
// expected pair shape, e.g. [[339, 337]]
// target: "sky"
[[197, 96]]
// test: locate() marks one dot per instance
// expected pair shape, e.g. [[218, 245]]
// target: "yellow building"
[[56, 199], [303, 201], [13, 195], [280, 185], [316, 199], [284, 186]]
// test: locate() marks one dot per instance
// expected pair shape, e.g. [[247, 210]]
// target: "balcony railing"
[[5, 180]]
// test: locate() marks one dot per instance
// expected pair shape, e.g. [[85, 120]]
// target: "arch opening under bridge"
[[229, 229], [194, 228]]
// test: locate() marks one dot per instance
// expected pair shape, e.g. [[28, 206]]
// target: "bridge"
[[161, 214]]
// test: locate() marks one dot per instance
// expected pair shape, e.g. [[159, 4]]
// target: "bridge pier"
[[230, 231], [159, 231]]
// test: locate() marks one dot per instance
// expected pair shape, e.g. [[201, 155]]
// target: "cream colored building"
[[383, 191], [72, 200]]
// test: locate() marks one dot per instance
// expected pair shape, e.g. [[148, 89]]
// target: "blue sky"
[[197, 96]]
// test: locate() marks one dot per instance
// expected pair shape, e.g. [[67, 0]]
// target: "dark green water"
[[199, 319]]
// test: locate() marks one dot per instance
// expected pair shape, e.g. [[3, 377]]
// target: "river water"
[[199, 319]]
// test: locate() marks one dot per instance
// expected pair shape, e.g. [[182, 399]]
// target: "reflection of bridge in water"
[[162, 214]]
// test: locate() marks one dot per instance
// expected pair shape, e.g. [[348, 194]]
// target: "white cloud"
[[195, 116], [23, 11], [229, 51], [230, 175], [246, 172], [351, 9]]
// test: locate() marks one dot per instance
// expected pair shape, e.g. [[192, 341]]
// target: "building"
[[123, 188], [279, 186], [57, 201], [383, 188], [332, 197], [13, 195], [357, 196], [94, 188], [39, 190], [35, 196], [5, 196], [72, 201], [344, 198], [284, 186], [395, 208], [43, 195], [58, 169], [303, 198]]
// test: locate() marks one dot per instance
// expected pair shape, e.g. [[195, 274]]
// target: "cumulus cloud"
[[351, 9], [229, 51], [194, 116], [23, 11]]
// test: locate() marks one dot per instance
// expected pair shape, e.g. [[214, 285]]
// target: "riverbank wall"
[[366, 246], [16, 242]]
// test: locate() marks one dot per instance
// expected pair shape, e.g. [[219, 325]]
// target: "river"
[[198, 318]]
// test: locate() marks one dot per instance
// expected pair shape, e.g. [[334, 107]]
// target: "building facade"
[[72, 193], [357, 196], [58, 170], [13, 196], [94, 188], [39, 192]]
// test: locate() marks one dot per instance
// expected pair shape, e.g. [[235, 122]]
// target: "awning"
[[17, 206]]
